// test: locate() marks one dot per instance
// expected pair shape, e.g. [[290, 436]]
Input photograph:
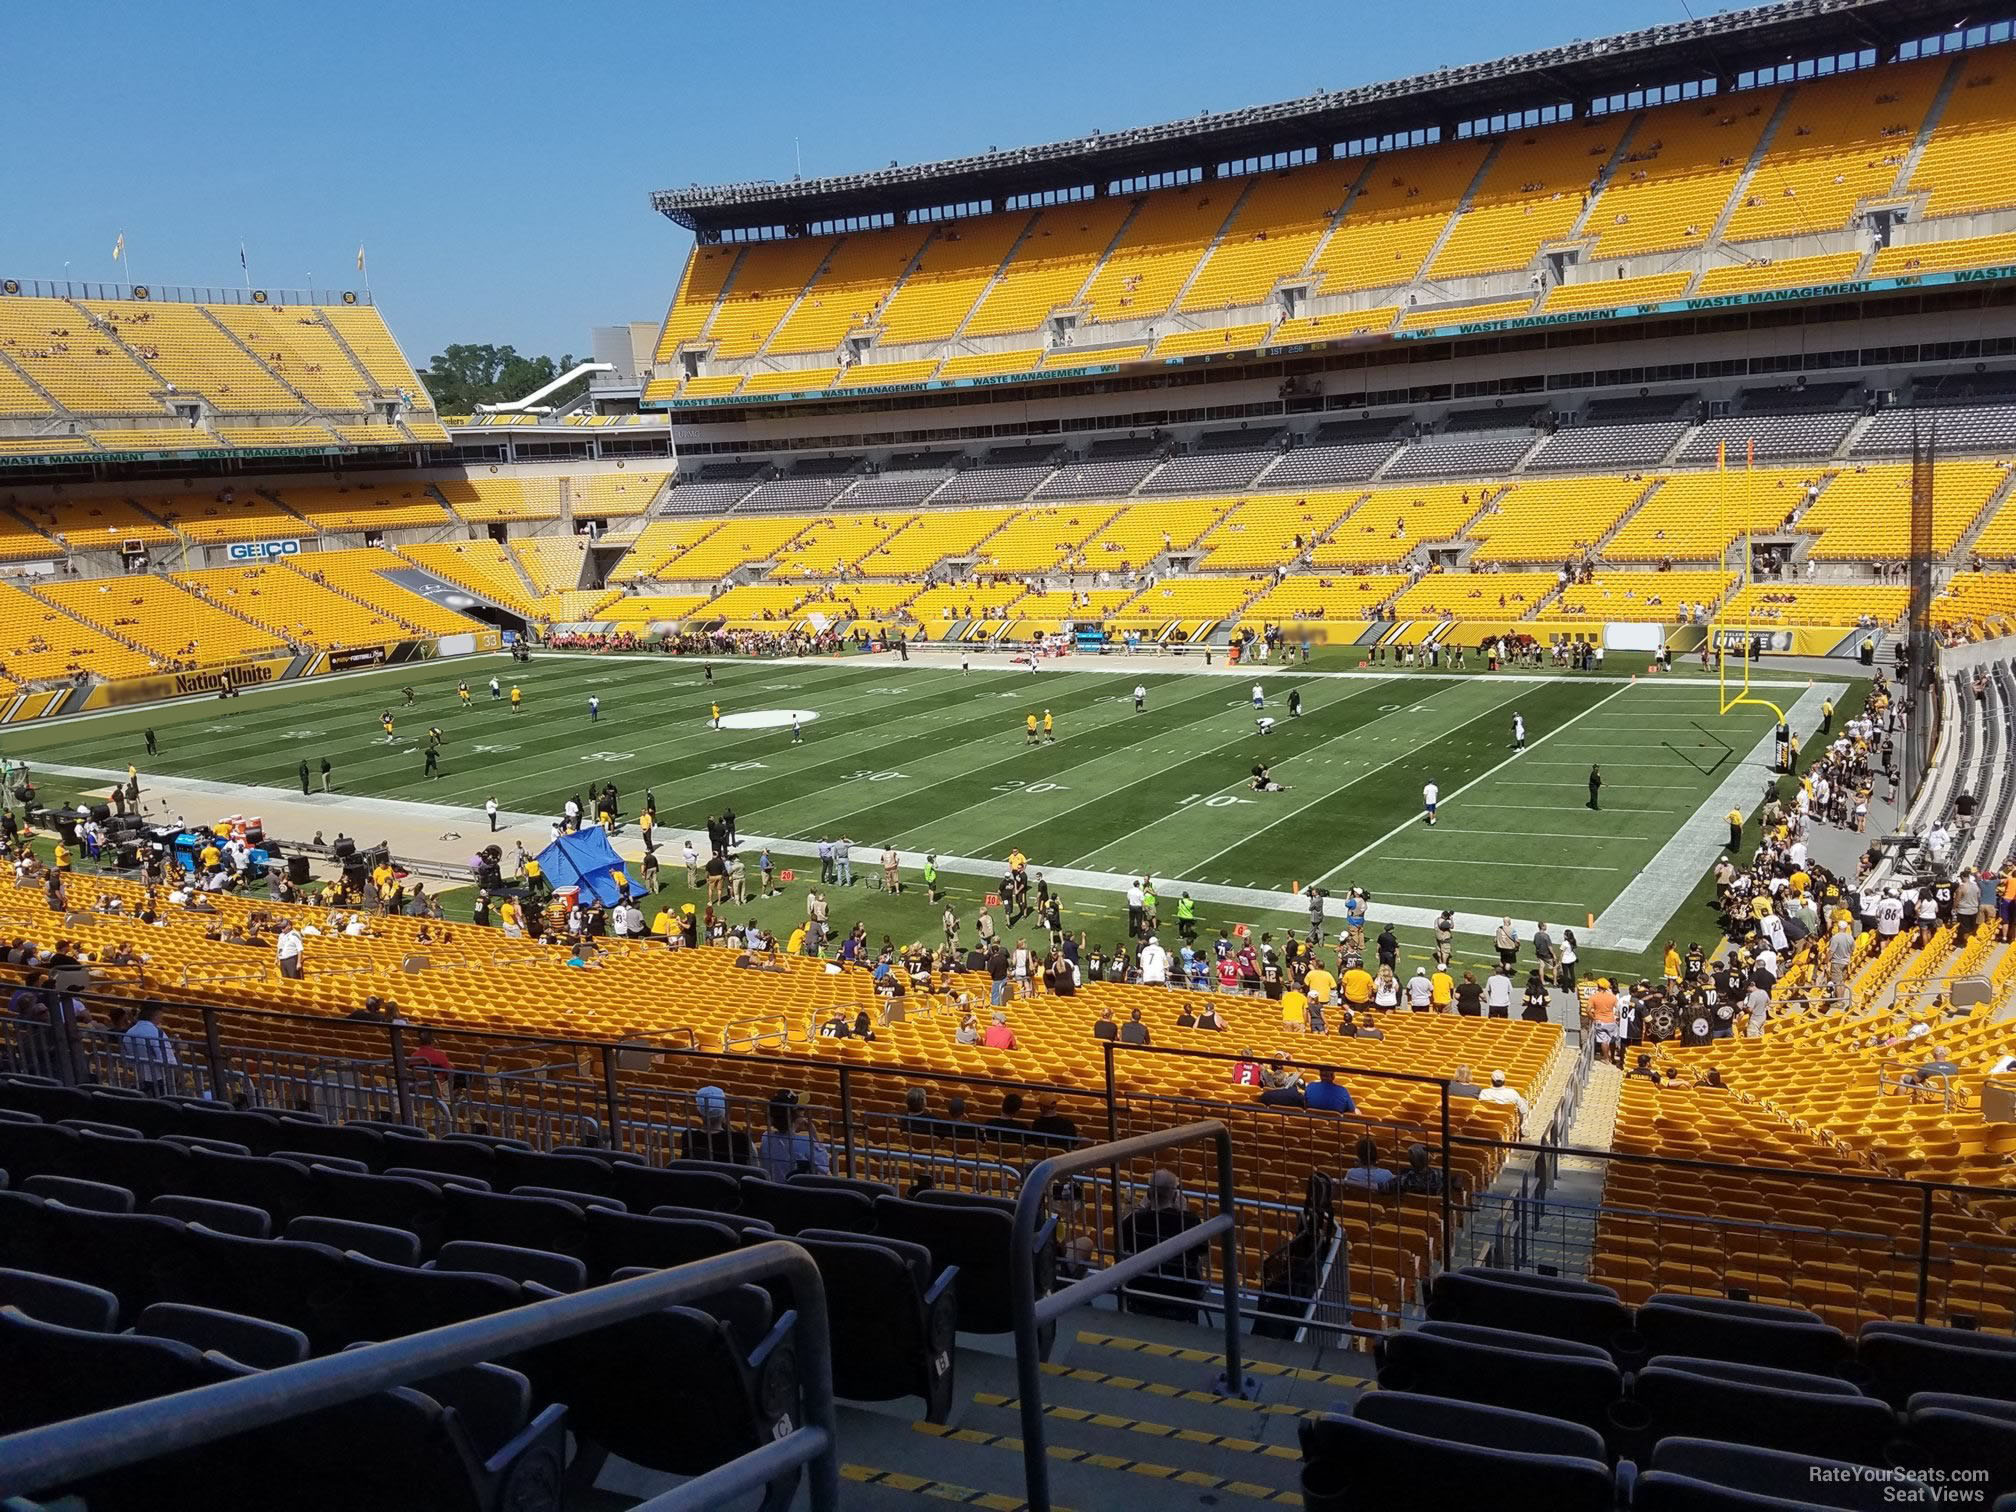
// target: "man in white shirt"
[[1498, 1092], [1773, 929], [1431, 794], [1498, 994], [490, 808], [1136, 900], [1939, 845], [1259, 697], [1140, 698], [1889, 916], [1154, 963], [150, 1050], [287, 951], [1518, 732], [1420, 991]]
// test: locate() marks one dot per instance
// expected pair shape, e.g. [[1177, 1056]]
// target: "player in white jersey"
[[1431, 794], [1140, 698], [1518, 732], [1259, 697]]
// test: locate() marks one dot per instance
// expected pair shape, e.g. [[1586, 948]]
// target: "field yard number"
[[1216, 800], [735, 766], [866, 776], [1015, 785], [610, 756], [492, 750]]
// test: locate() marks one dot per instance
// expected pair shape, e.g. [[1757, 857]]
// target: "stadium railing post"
[[847, 1121], [399, 1088], [1448, 1186], [1924, 1247], [611, 1099], [213, 1052]]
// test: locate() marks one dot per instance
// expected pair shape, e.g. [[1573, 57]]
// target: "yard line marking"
[[1017, 754], [1244, 784], [1104, 796], [1447, 798], [1372, 769]]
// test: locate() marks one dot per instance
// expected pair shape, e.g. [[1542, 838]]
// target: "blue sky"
[[495, 160]]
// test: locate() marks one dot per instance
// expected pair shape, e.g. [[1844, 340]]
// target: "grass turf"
[[927, 757]]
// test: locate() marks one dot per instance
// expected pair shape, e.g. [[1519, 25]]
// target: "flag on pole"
[[360, 257], [119, 247], [242, 263]]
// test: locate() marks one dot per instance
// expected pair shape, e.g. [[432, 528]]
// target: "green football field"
[[927, 757]]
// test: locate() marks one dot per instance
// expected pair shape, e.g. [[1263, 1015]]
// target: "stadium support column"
[[1918, 687]]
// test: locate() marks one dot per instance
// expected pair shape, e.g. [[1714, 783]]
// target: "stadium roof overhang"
[[1719, 47]]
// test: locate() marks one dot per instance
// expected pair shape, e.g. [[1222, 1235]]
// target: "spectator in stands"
[[1644, 1069], [1368, 1173], [1422, 1178], [287, 950], [791, 1146], [426, 1053], [1758, 1004], [1281, 1084], [1538, 998], [1134, 1032], [1498, 1092], [1461, 1084], [1010, 1117], [999, 1036], [1326, 1096], [1105, 1028], [1052, 1124], [1164, 1216], [149, 1050]]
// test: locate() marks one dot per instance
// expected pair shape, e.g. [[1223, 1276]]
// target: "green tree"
[[465, 376]]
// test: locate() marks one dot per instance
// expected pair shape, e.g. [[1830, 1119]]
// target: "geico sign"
[[261, 551]]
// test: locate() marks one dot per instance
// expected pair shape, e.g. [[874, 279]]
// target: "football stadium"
[[1469, 617]]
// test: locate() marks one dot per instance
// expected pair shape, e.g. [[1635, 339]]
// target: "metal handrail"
[[122, 1436], [1031, 1314]]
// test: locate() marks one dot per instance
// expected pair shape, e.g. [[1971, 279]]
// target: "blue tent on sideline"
[[584, 860]]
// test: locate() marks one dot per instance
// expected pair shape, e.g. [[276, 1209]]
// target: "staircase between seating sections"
[[798, 299], [1603, 541], [196, 591], [28, 587], [1131, 1416], [110, 331], [1996, 501], [307, 405], [9, 365], [1934, 113], [365, 380], [1343, 209], [1420, 282], [295, 564], [1610, 165], [1853, 439], [1749, 174], [988, 288], [1210, 247]]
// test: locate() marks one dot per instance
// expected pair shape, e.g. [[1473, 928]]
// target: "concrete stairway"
[[1131, 1420], [1131, 1416]]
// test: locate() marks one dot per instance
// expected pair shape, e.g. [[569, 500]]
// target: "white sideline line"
[[1473, 861]]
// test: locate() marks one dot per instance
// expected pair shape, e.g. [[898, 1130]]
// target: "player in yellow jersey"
[[1049, 729], [385, 724], [714, 715], [1031, 724], [517, 697], [462, 692]]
